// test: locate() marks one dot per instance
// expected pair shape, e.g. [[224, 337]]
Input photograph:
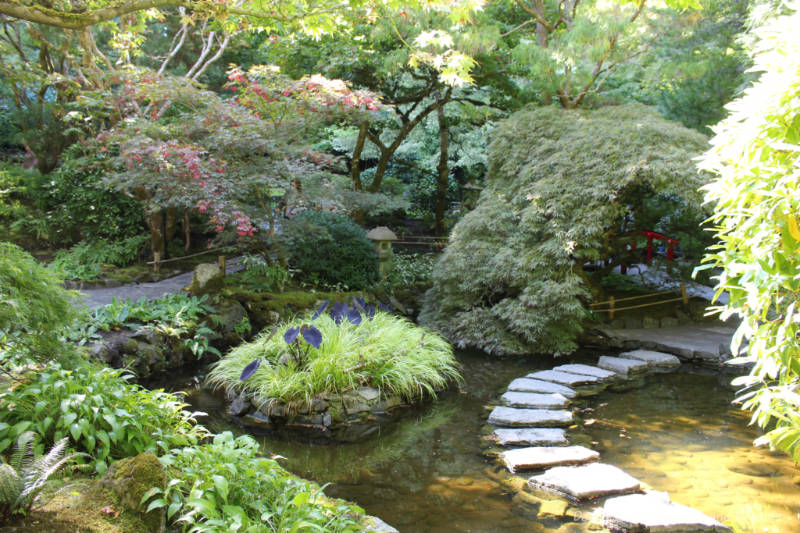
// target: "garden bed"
[[337, 374]]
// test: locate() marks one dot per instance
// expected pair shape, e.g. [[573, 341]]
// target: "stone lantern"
[[383, 237]]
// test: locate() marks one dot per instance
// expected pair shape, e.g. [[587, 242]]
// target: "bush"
[[757, 221], [330, 249], [80, 207], [561, 187], [22, 204], [227, 486], [84, 260], [385, 352], [99, 411], [34, 309], [412, 269]]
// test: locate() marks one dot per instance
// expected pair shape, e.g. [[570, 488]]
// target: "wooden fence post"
[[684, 296], [611, 308], [156, 260], [221, 260]]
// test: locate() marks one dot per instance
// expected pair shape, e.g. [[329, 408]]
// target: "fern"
[[22, 479]]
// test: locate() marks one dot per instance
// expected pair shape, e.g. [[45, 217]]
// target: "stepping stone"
[[585, 482], [587, 370], [539, 457], [543, 387], [624, 367], [534, 400], [653, 359], [652, 513], [511, 417], [564, 378], [530, 436]]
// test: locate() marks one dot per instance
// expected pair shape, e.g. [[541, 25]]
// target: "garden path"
[[573, 472], [94, 298]]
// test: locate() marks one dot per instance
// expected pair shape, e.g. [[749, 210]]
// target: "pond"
[[427, 472]]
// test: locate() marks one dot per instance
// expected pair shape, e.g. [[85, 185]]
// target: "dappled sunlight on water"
[[427, 473]]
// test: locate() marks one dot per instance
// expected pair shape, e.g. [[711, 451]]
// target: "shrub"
[[98, 411], [84, 260], [757, 221], [385, 352], [412, 269], [561, 186], [34, 309], [81, 207], [259, 275], [227, 486], [331, 249], [22, 204]]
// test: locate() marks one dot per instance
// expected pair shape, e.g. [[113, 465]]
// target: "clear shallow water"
[[427, 472]]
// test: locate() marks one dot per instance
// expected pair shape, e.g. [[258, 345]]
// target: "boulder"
[[131, 478], [208, 278]]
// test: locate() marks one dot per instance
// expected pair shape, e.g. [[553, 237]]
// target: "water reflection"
[[427, 473]]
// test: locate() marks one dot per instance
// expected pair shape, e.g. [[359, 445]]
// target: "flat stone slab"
[[539, 457], [564, 378], [653, 359], [700, 341], [534, 400], [512, 417], [530, 436], [587, 370], [648, 513], [585, 482], [543, 387], [623, 367]]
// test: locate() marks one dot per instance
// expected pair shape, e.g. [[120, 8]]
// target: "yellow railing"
[[612, 302]]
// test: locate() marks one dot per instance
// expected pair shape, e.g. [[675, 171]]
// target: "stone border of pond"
[[529, 426], [348, 417]]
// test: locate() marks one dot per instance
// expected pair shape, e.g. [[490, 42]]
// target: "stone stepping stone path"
[[539, 457], [529, 425], [542, 387], [586, 482], [654, 512], [530, 436], [624, 367], [654, 359], [516, 418], [534, 400]]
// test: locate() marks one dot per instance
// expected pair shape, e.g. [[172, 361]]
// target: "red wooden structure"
[[651, 236]]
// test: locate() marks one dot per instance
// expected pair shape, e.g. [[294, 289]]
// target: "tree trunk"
[[171, 224], [442, 171], [155, 221], [355, 163]]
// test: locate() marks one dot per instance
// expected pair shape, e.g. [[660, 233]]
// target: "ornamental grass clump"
[[332, 352]]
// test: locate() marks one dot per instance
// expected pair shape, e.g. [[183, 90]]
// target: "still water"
[[427, 472]]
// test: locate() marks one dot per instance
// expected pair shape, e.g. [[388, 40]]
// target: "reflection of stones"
[[348, 417]]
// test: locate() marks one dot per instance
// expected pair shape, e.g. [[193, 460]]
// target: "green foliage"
[[331, 249], [226, 485], [85, 260], [22, 204], [34, 308], [756, 216], [98, 411], [175, 315], [562, 185], [80, 207], [24, 477], [258, 275], [387, 352], [412, 269]]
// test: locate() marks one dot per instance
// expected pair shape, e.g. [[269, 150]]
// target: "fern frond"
[[11, 486], [22, 455]]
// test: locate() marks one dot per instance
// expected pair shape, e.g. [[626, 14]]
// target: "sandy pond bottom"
[[426, 473]]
